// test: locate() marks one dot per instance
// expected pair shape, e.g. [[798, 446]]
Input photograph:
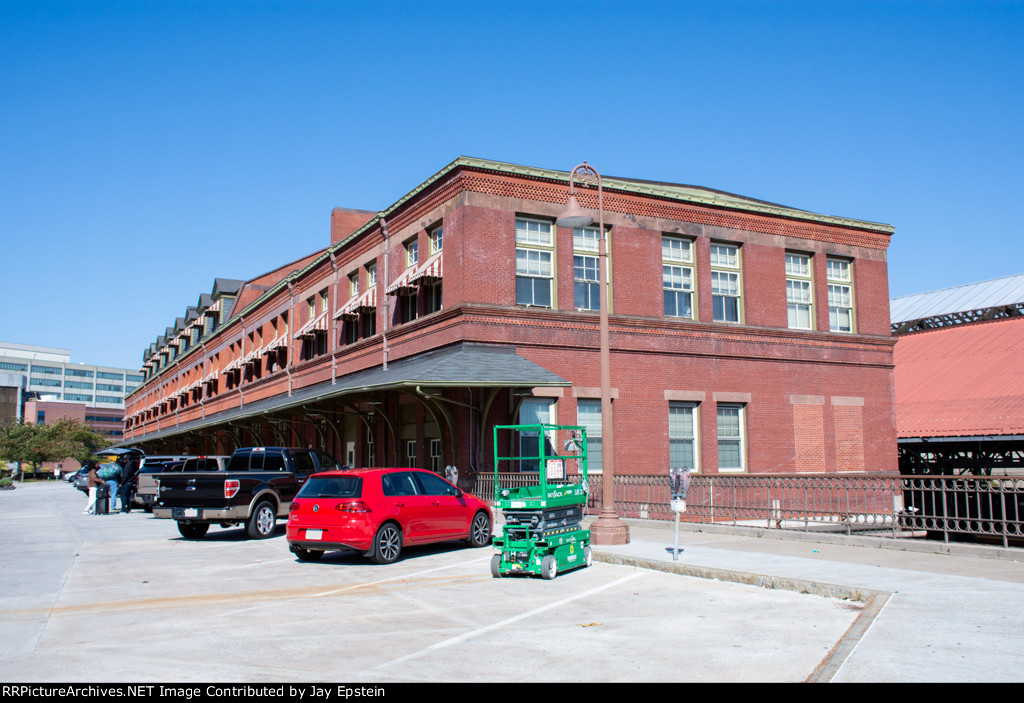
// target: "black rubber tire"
[[307, 554], [387, 544], [193, 530], [588, 555], [480, 530], [496, 566], [549, 567], [262, 522]]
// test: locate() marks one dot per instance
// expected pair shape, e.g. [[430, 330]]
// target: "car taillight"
[[355, 506], [231, 487], [293, 506]]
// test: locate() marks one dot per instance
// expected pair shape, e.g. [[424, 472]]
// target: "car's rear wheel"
[[193, 530], [480, 530], [262, 521], [387, 544], [307, 554]]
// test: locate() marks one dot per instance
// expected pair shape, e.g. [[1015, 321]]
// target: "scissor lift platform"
[[543, 533]]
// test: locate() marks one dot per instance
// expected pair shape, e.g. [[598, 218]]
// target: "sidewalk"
[[934, 612]]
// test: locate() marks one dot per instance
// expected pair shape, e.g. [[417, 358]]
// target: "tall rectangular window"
[[730, 438], [585, 272], [371, 275], [682, 436], [436, 237], [353, 284], [534, 411], [840, 296], [677, 276], [534, 263], [435, 456], [799, 287], [588, 414], [412, 252], [725, 283]]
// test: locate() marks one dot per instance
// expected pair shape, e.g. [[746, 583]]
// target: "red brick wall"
[[813, 400]]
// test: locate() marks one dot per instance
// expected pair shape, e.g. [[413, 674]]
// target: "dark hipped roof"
[[461, 365]]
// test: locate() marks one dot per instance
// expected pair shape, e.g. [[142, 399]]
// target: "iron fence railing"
[[944, 507]]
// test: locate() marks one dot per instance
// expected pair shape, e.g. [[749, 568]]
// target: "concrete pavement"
[[935, 611], [123, 598]]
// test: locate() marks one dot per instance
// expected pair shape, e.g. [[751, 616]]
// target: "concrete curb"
[[828, 590], [900, 544]]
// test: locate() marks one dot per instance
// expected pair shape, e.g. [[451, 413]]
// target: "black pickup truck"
[[254, 489]]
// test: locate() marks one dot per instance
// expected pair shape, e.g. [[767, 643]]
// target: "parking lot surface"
[[123, 598]]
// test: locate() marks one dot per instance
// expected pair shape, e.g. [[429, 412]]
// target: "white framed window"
[[412, 252], [840, 295], [323, 301], [586, 243], [371, 275], [536, 232], [730, 438], [535, 411], [410, 453], [435, 456], [677, 279], [534, 263], [436, 237], [588, 414], [586, 239], [353, 284], [799, 291], [682, 436], [726, 295], [586, 282]]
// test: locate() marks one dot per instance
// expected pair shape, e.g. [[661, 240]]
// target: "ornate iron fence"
[[944, 507]]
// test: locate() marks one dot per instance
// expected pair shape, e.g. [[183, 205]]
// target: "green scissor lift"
[[543, 532]]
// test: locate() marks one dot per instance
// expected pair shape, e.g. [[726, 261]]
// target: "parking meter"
[[679, 486], [451, 473]]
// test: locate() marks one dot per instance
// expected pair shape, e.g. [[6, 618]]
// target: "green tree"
[[32, 444]]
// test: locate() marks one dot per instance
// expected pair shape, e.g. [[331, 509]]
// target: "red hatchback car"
[[380, 511]]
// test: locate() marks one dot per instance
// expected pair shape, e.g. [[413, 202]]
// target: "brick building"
[[745, 336]]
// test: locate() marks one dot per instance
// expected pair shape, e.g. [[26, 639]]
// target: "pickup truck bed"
[[255, 489]]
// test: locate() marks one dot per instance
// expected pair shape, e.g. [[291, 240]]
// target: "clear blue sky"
[[150, 147]]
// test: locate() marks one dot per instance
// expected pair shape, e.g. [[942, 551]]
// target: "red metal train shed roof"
[[962, 380]]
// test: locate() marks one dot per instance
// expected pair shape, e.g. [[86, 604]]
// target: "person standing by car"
[[129, 469], [93, 485]]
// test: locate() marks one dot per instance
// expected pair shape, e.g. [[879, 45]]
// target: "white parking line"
[[495, 626]]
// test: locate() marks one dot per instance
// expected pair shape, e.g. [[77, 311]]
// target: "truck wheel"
[[496, 566], [192, 530], [387, 545], [549, 567], [262, 521], [480, 530]]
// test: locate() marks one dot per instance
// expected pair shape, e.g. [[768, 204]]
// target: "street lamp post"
[[608, 528]]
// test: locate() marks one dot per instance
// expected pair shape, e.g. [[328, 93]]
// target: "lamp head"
[[574, 215]]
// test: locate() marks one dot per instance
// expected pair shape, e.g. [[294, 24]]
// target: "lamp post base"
[[609, 529]]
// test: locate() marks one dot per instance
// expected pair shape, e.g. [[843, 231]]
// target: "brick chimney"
[[345, 221]]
